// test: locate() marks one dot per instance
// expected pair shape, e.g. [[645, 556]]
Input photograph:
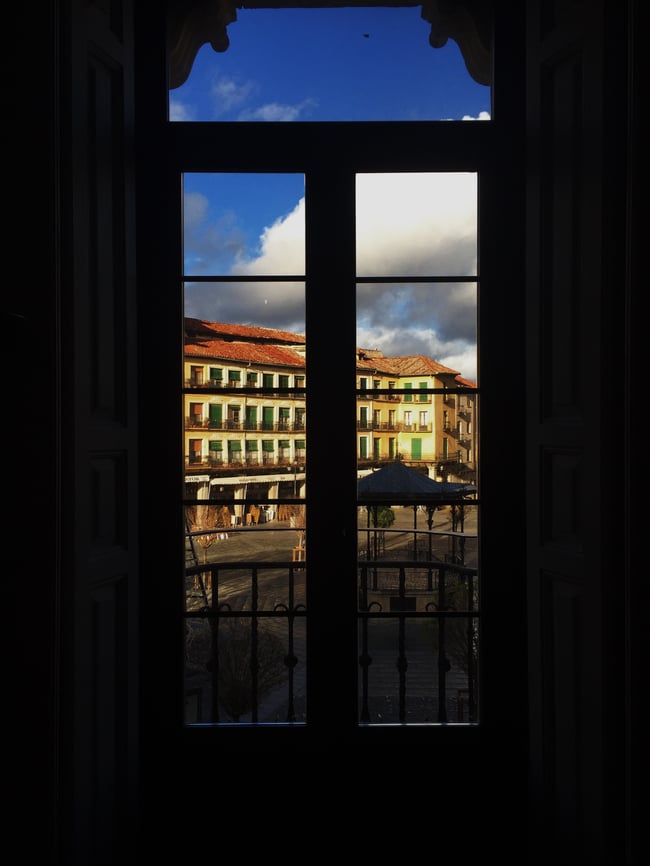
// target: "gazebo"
[[399, 484]]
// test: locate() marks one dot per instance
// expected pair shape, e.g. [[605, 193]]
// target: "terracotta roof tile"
[[241, 351], [268, 346], [200, 329], [467, 382], [420, 365]]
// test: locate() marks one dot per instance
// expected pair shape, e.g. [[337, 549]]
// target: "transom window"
[[337, 64]]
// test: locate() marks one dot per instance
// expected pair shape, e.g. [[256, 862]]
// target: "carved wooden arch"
[[193, 23]]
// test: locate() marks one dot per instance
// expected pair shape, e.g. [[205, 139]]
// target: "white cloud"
[[195, 209], [483, 115], [416, 224], [276, 111], [180, 111], [227, 94], [209, 246], [282, 247]]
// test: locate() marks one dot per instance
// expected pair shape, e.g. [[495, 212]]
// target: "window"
[[363, 417], [216, 418], [312, 485], [251, 418], [267, 418], [363, 447]]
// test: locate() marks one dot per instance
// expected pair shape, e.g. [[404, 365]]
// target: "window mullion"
[[331, 455]]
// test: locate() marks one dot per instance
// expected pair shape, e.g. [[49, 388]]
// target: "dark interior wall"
[[30, 336]]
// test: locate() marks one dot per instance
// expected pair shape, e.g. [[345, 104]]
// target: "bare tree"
[[250, 660]]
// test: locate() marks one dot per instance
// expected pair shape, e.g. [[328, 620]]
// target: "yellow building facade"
[[245, 408]]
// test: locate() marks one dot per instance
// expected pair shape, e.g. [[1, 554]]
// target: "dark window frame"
[[427, 147]]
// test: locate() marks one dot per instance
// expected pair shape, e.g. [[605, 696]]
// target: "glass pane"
[[417, 448], [333, 64], [244, 462], [437, 321], [415, 224], [244, 224]]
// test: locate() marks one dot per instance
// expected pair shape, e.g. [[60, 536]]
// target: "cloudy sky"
[[407, 224]]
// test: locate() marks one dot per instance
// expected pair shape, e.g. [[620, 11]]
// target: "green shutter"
[[235, 445], [234, 375], [267, 444], [251, 445], [300, 443], [216, 445], [423, 397], [216, 374], [408, 397], [416, 449], [283, 443]]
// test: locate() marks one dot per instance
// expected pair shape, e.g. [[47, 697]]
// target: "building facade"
[[245, 410]]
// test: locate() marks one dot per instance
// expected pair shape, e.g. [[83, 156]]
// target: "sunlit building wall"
[[227, 429]]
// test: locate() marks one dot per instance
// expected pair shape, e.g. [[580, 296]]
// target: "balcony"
[[257, 461], [218, 385], [418, 627], [380, 426], [416, 428], [195, 422]]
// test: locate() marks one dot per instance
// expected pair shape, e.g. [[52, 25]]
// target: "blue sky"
[[323, 65], [329, 64]]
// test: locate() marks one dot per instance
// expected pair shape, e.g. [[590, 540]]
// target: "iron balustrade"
[[417, 647]]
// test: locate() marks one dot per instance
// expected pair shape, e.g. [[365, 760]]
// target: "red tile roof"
[[420, 365], [200, 329], [271, 347], [242, 351], [467, 382]]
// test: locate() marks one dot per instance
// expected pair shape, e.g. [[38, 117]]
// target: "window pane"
[[414, 224], [244, 224], [245, 469], [333, 64]]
